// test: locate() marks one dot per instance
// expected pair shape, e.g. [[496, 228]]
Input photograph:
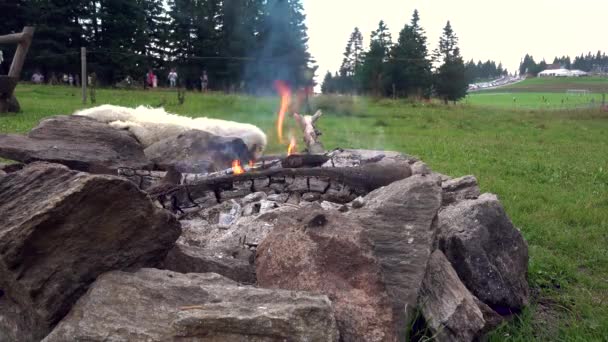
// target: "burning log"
[[304, 160]]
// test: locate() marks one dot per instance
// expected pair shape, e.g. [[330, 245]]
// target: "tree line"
[[589, 62], [242, 44], [483, 71], [402, 69]]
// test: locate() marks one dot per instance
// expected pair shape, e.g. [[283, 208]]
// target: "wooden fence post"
[[19, 58], [83, 71]]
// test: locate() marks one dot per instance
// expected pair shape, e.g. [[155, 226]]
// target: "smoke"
[[282, 51]]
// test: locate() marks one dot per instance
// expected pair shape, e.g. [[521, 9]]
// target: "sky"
[[500, 30]]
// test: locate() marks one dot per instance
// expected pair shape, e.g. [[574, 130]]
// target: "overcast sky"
[[501, 30]]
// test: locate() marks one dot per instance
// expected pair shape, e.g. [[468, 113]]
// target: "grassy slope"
[[544, 93], [549, 169], [557, 84]]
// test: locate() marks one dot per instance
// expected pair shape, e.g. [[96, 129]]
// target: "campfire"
[[336, 176]]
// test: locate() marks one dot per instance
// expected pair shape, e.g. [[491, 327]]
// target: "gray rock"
[[370, 261], [197, 151], [251, 209], [227, 219], [59, 230], [458, 189], [311, 196], [266, 206], [448, 308], [325, 252], [400, 220], [354, 157], [358, 203], [235, 263], [487, 251], [156, 305], [77, 142], [281, 198], [254, 197], [420, 168]]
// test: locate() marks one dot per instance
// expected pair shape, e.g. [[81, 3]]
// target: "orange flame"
[[236, 167], [285, 93], [291, 149]]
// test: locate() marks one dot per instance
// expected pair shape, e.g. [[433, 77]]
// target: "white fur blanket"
[[151, 125]]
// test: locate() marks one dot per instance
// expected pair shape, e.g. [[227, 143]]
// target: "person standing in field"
[[204, 81], [172, 78], [150, 78]]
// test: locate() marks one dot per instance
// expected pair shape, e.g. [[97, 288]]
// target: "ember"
[[236, 167], [291, 149]]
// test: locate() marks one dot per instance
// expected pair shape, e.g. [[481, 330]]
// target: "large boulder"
[[77, 142], [325, 252], [400, 220], [198, 151], [59, 230], [234, 263], [370, 262], [448, 308], [158, 305], [487, 251]]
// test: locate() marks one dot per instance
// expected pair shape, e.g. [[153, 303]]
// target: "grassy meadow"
[[546, 93], [548, 167]]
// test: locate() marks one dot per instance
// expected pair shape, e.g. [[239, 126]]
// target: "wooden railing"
[[8, 102]]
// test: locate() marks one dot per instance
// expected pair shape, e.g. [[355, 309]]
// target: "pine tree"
[[373, 70], [58, 35], [240, 20], [13, 15], [528, 65], [327, 87], [353, 57], [410, 66], [450, 81]]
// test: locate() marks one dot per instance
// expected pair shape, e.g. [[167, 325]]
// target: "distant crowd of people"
[[66, 79], [150, 81], [172, 77]]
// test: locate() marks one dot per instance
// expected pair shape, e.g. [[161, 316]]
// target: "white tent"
[[562, 73]]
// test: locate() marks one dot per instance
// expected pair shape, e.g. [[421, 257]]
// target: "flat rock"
[[448, 308], [198, 151], [235, 263], [325, 252], [59, 230], [77, 142], [458, 189], [487, 251], [400, 220], [158, 305]]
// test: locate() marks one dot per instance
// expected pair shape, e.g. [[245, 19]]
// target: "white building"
[[562, 73]]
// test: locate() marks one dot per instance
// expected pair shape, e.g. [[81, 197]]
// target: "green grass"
[[594, 84], [549, 168], [534, 100]]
